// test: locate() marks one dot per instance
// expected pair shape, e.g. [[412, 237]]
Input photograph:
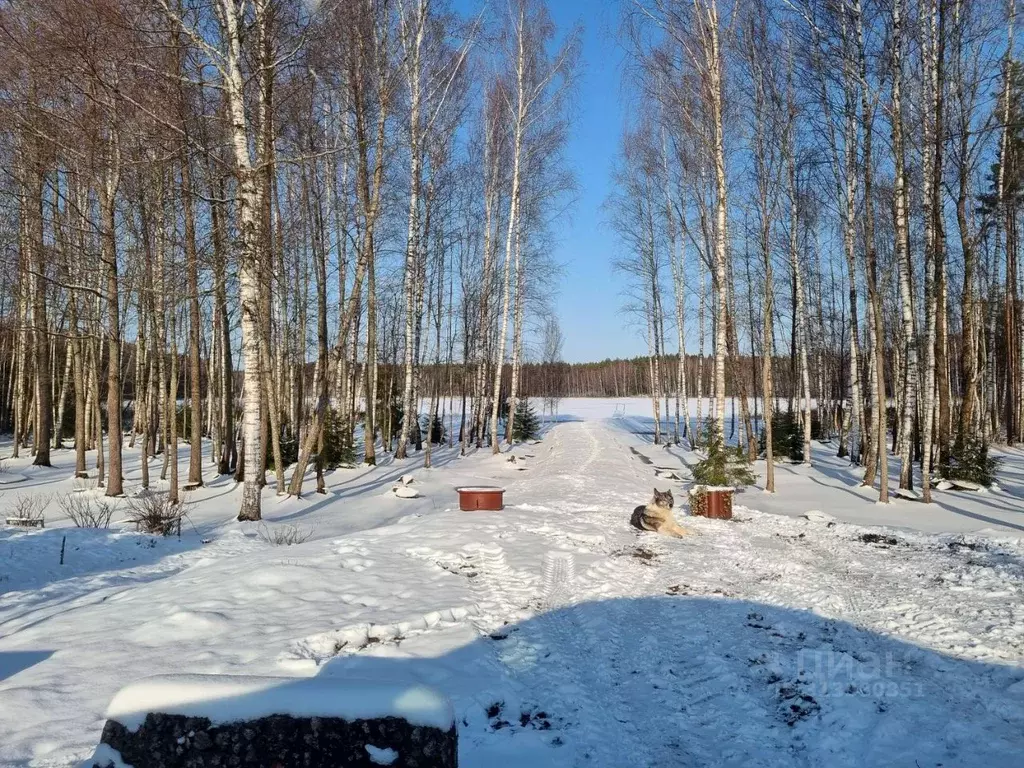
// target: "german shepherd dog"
[[657, 516]]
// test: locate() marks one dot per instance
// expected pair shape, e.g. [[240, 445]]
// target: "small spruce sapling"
[[969, 460], [434, 432], [289, 451], [526, 425], [787, 437], [723, 466], [338, 450]]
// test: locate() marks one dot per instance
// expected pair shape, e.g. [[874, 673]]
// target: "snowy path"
[[564, 637]]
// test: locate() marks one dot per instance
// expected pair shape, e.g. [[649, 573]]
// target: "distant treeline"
[[628, 377]]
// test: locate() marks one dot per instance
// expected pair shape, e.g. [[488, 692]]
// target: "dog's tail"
[[637, 518]]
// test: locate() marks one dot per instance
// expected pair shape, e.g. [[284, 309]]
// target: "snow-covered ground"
[[832, 485], [562, 636]]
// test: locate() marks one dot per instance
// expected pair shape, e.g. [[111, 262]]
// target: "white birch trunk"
[[903, 259], [519, 130], [412, 41], [249, 207]]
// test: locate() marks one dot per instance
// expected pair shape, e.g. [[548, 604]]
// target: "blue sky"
[[589, 299], [588, 305]]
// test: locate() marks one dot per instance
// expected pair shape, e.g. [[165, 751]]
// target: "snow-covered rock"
[[208, 720], [105, 756], [907, 493], [405, 492], [234, 698], [966, 485]]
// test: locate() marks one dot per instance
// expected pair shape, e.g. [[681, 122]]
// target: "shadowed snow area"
[[562, 636]]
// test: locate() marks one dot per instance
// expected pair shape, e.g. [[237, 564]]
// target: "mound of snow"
[[381, 756], [966, 485], [405, 492], [231, 699], [107, 756], [907, 493]]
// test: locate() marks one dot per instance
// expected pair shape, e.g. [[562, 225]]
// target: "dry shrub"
[[155, 513], [282, 535], [80, 484], [30, 507], [86, 511]]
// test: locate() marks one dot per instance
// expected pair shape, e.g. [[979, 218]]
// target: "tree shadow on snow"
[[688, 679], [372, 480], [937, 498], [13, 662], [104, 554]]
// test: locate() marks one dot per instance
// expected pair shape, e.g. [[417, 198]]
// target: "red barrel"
[[481, 497]]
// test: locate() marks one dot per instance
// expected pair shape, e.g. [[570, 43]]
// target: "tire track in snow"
[[587, 652]]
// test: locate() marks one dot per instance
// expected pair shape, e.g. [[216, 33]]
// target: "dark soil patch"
[[796, 705], [756, 620], [645, 556], [462, 569], [962, 544], [792, 538], [503, 633], [686, 589], [879, 539], [538, 720]]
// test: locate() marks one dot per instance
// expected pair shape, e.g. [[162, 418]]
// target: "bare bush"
[[80, 484], [30, 507], [155, 513], [86, 511], [282, 535]]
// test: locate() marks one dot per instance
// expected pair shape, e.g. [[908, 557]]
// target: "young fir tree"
[[338, 450], [723, 466], [433, 428], [969, 460], [526, 425], [787, 437]]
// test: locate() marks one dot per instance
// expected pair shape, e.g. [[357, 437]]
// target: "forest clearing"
[[562, 635], [580, 383]]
